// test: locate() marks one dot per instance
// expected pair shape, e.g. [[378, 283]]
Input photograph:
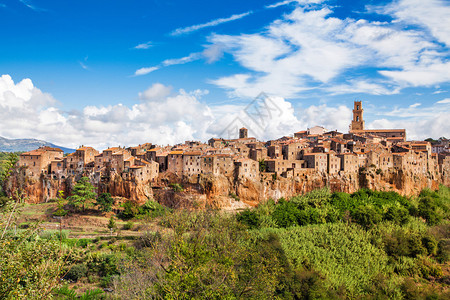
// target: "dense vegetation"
[[322, 245]]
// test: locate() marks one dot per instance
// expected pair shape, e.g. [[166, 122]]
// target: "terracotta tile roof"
[[192, 153], [33, 152], [179, 152], [84, 148], [46, 148]]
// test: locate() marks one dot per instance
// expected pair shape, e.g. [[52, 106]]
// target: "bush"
[[286, 214], [76, 272], [248, 217], [399, 215], [443, 251], [430, 243], [427, 209], [153, 209], [130, 210], [366, 216], [177, 187], [105, 202], [128, 225]]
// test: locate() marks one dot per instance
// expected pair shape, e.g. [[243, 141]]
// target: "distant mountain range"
[[23, 145]]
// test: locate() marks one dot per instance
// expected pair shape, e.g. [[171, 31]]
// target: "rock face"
[[221, 192], [44, 189]]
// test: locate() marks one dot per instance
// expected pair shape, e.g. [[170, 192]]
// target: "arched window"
[[357, 107], [357, 118]]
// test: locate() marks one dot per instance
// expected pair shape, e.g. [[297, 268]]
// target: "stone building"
[[357, 126], [175, 162], [38, 161], [349, 162], [243, 133], [333, 163], [358, 120], [246, 168], [316, 161], [192, 163]]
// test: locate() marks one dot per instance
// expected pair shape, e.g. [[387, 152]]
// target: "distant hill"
[[23, 145]]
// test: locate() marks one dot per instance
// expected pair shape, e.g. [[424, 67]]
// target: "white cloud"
[[362, 86], [145, 71], [432, 14], [213, 53], [310, 49], [419, 122], [28, 4], [166, 116], [146, 45], [157, 91], [444, 101], [162, 116], [179, 61], [286, 2], [189, 29]]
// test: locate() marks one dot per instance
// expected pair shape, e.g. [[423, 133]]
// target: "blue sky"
[[126, 72]]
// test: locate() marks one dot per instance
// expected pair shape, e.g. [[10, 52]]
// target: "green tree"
[[82, 192], [6, 168], [105, 202], [262, 165], [112, 223], [60, 211], [30, 267]]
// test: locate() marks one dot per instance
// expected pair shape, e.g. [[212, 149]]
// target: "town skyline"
[[108, 73]]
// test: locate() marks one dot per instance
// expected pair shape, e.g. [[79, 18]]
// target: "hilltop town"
[[247, 168]]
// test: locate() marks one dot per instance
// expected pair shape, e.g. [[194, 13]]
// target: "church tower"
[[243, 133], [358, 121]]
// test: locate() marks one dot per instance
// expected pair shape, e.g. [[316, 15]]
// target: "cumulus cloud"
[[311, 48], [163, 116], [431, 14], [419, 122], [167, 116], [157, 91]]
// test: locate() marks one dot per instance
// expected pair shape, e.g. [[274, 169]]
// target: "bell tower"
[[358, 121]]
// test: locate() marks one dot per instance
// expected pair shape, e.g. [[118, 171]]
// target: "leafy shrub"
[[177, 187], [248, 217], [83, 243], [76, 272], [105, 202], [443, 251], [153, 209], [286, 214], [103, 264], [428, 210], [128, 225], [397, 214], [430, 243], [148, 239], [130, 210], [342, 253], [366, 216]]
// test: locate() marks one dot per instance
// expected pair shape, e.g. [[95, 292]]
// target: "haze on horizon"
[[108, 73]]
